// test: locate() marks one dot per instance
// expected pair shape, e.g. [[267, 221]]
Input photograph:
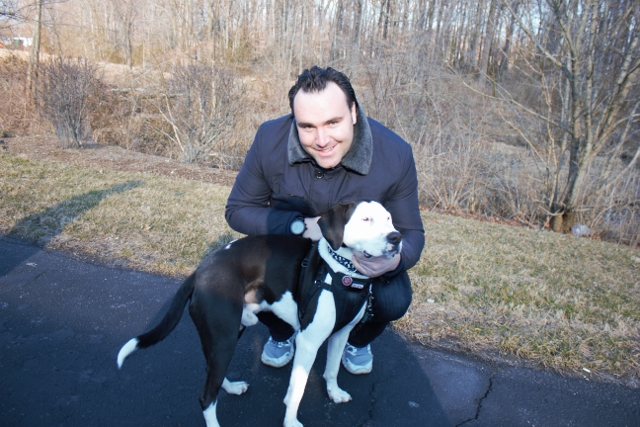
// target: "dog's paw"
[[294, 423], [338, 395], [236, 387]]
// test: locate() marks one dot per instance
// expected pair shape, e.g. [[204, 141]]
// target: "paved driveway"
[[62, 322]]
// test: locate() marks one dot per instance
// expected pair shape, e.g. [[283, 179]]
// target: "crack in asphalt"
[[480, 401], [372, 394]]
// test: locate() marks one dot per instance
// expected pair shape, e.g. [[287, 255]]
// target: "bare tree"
[[34, 57], [589, 54], [11, 12], [126, 13], [201, 104]]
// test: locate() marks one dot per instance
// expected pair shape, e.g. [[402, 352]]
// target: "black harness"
[[349, 293]]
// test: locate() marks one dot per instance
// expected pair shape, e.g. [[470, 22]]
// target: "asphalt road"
[[62, 322]]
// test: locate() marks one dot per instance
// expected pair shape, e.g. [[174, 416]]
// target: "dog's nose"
[[394, 238]]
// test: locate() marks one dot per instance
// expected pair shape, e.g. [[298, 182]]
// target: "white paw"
[[236, 387], [294, 423], [338, 395]]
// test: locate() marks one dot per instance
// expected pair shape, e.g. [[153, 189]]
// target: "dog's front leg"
[[335, 348], [308, 342], [337, 342]]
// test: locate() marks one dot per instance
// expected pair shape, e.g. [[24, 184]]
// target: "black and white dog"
[[261, 273]]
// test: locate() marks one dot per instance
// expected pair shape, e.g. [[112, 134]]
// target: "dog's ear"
[[332, 223]]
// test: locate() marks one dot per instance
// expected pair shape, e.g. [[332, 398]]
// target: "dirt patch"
[[114, 158]]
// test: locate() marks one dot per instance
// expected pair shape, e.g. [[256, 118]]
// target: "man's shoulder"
[[279, 125], [387, 140], [269, 147]]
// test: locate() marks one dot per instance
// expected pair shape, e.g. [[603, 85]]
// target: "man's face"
[[325, 124]]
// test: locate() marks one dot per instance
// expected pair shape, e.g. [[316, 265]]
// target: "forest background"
[[521, 109]]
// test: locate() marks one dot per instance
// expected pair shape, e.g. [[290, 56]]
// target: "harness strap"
[[349, 293], [314, 290]]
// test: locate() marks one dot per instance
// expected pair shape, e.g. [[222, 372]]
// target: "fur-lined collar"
[[359, 156]]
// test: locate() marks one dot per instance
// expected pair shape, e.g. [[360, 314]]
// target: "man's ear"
[[332, 223]]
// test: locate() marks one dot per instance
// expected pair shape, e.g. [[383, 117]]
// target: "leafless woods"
[[524, 109]]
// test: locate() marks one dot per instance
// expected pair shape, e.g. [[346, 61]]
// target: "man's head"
[[324, 105], [316, 80]]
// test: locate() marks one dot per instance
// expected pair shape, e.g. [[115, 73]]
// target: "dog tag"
[[347, 280]]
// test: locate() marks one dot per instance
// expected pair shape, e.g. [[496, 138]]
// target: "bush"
[[202, 106], [68, 96], [16, 113]]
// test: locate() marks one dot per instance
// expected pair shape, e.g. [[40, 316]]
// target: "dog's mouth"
[[388, 253]]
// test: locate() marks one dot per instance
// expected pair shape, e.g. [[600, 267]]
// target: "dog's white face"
[[370, 230]]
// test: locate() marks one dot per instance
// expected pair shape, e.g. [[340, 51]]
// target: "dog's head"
[[362, 226]]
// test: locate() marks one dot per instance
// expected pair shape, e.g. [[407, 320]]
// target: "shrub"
[[202, 105], [15, 111], [68, 96]]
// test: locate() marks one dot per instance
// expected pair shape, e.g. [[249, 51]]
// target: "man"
[[328, 152]]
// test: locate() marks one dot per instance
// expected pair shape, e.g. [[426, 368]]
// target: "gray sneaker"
[[278, 353], [358, 361]]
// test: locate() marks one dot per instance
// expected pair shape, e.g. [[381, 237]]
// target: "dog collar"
[[342, 260]]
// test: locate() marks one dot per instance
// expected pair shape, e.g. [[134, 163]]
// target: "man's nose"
[[322, 138]]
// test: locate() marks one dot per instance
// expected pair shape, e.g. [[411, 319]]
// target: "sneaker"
[[357, 361], [278, 353]]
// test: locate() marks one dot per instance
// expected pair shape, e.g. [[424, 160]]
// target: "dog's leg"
[[210, 416], [218, 323], [308, 341], [235, 387], [335, 348]]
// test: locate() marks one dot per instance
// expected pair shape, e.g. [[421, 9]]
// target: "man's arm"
[[405, 213], [248, 208]]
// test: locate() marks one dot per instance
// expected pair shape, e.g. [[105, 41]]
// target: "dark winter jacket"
[[279, 182]]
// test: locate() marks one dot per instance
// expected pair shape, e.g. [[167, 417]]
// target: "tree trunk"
[[34, 57], [488, 43]]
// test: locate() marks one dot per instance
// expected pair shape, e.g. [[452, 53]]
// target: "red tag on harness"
[[347, 280]]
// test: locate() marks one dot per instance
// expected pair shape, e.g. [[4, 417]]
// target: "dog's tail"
[[166, 325]]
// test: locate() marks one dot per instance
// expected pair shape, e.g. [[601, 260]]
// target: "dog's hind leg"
[[218, 323], [210, 416], [235, 387]]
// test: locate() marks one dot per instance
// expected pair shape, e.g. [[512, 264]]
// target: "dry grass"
[[566, 303], [156, 224], [500, 292]]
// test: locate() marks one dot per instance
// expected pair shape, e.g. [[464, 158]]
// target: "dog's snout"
[[394, 238]]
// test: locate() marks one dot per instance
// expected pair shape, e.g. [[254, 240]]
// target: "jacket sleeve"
[[248, 208], [404, 207]]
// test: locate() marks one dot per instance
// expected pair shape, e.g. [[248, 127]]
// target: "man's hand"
[[374, 266], [312, 229]]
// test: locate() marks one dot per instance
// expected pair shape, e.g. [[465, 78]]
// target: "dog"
[[262, 273]]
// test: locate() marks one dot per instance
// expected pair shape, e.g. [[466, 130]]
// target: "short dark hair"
[[316, 80]]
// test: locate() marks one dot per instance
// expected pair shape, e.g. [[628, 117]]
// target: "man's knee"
[[392, 300]]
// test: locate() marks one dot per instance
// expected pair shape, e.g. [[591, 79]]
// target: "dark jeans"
[[392, 298]]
